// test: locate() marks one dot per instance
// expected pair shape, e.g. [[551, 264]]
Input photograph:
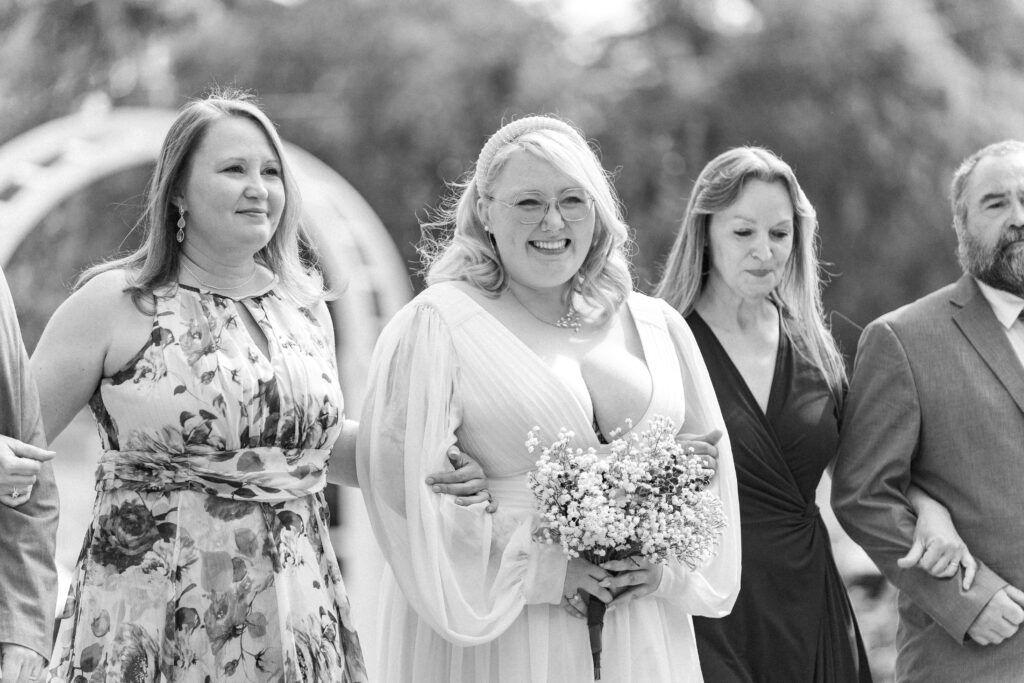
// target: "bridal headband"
[[512, 131]]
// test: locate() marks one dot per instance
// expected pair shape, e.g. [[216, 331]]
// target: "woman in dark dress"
[[744, 272]]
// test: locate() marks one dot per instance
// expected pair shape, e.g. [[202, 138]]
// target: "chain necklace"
[[196, 277], [570, 320]]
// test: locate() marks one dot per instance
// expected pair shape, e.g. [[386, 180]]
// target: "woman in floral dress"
[[207, 358]]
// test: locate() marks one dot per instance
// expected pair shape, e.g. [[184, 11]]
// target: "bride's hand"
[[632, 578], [467, 481], [589, 578], [704, 445]]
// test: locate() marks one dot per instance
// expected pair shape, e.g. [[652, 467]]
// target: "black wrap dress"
[[793, 621]]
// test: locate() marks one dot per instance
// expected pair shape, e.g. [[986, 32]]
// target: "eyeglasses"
[[531, 207]]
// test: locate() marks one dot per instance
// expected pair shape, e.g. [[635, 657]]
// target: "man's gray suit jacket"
[[937, 398], [28, 576]]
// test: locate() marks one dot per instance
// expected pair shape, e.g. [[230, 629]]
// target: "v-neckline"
[[773, 392], [645, 345]]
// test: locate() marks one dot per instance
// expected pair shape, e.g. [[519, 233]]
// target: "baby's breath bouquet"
[[643, 496]]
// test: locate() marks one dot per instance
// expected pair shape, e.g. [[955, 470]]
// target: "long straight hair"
[[155, 263], [798, 294]]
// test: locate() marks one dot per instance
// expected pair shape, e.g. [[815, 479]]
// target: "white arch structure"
[[45, 166]]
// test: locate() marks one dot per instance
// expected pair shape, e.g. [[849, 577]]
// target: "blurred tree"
[[872, 101], [397, 95], [872, 114]]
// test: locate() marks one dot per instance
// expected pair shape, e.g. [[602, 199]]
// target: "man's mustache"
[[1010, 237]]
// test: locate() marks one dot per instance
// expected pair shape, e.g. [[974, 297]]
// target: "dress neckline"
[[269, 288], [586, 417], [780, 353]]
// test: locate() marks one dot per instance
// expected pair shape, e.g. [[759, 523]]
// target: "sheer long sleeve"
[[467, 573], [710, 590]]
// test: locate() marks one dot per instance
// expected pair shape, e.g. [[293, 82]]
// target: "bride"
[[529, 321]]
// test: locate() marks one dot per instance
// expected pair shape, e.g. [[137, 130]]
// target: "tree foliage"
[[873, 102]]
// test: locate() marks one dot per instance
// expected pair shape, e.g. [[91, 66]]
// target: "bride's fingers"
[[575, 605], [626, 565]]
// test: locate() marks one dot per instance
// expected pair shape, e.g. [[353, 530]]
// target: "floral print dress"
[[208, 557]]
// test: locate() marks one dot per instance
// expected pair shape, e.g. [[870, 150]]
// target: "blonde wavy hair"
[[155, 263], [798, 295], [463, 250]]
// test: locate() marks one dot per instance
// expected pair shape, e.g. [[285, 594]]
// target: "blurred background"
[[873, 102]]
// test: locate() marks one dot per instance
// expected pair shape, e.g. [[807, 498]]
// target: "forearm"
[[342, 467]]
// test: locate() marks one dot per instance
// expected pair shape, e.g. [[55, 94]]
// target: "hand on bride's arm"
[[704, 445], [632, 578], [466, 481], [937, 547]]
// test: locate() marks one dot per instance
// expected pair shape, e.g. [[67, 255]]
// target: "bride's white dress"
[[476, 599]]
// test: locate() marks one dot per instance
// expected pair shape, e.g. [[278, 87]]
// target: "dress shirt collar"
[[1007, 307]]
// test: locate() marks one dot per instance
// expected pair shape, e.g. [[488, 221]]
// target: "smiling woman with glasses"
[[530, 322]]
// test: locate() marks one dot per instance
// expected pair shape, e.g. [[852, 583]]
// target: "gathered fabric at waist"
[[265, 474]]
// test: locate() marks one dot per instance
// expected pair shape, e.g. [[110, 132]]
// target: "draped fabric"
[[476, 599], [208, 556], [793, 620]]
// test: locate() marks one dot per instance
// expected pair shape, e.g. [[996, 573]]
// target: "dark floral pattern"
[[208, 557]]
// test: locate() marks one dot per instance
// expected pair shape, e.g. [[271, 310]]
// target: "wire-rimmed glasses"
[[530, 208]]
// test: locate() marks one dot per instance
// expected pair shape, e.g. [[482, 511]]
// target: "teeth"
[[550, 244]]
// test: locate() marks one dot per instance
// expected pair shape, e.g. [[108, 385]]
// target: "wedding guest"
[[744, 271], [529, 321], [937, 402], [207, 358], [28, 512]]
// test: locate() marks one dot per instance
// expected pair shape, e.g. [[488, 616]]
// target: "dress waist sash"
[[265, 474]]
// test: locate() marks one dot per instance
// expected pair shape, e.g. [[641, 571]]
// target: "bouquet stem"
[[595, 626]]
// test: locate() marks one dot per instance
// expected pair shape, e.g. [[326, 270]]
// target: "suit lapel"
[[976, 320]]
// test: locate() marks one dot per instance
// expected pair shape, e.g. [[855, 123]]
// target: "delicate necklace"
[[571, 320], [196, 277]]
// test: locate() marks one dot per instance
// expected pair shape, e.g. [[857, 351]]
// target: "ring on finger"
[[16, 493]]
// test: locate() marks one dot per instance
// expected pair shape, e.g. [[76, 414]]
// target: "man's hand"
[[1000, 619], [19, 466], [19, 664]]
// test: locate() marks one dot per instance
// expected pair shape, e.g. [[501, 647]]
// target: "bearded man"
[[937, 400]]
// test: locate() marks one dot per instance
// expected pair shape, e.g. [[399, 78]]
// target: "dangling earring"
[[180, 236]]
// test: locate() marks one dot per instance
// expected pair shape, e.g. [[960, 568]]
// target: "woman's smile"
[[550, 246]]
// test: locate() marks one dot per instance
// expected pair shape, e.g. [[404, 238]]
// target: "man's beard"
[[1001, 267]]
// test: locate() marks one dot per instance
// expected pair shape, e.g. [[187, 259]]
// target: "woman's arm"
[[937, 548], [72, 354]]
